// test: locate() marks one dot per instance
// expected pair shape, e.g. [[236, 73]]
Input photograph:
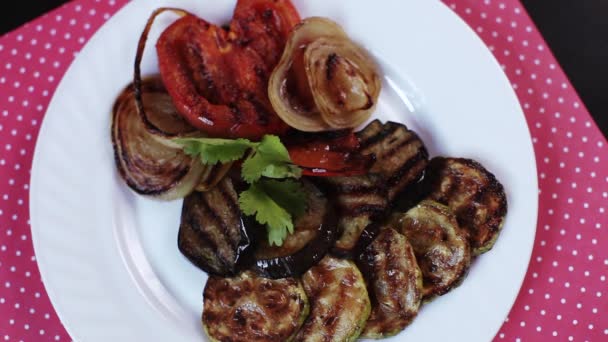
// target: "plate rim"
[[34, 177]]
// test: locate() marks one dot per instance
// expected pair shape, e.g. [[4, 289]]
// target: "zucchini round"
[[340, 304], [248, 308], [441, 247], [474, 195], [395, 283], [313, 235]]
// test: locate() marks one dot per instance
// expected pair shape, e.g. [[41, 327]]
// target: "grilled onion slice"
[[324, 81], [247, 308], [144, 158]]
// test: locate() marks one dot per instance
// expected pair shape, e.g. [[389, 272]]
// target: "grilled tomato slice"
[[218, 78]]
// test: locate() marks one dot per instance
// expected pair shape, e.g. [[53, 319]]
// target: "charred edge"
[[145, 189], [330, 66], [263, 115], [237, 114], [389, 239], [375, 139]]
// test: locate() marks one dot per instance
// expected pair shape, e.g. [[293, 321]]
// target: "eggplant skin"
[[395, 284], [314, 234], [360, 201], [340, 303], [441, 247], [212, 234], [248, 308], [473, 193], [400, 155]]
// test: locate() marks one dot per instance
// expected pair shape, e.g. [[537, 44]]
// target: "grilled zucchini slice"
[[248, 308], [360, 200], [340, 304], [441, 247], [313, 235], [395, 283], [212, 234], [401, 156], [474, 195]]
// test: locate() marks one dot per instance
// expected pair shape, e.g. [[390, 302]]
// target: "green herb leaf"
[[255, 201], [270, 159], [286, 193], [213, 150]]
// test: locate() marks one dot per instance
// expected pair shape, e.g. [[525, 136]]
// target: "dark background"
[[576, 31]]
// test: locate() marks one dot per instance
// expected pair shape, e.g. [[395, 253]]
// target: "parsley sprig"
[[275, 199]]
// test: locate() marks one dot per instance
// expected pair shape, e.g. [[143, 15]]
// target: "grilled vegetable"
[[313, 235], [441, 247], [218, 78], [340, 303], [212, 234], [400, 154], [399, 161], [360, 200], [324, 80], [145, 159], [474, 195], [333, 153], [395, 283], [247, 308]]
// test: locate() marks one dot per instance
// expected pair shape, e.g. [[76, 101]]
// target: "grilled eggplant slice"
[[248, 308], [360, 200], [474, 195], [313, 235], [395, 283], [401, 156], [340, 303], [212, 234], [441, 247]]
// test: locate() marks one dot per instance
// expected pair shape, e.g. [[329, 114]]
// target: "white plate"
[[109, 258]]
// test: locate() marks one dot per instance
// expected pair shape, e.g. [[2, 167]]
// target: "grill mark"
[[362, 210], [389, 240], [358, 189], [218, 220], [337, 310], [407, 166], [263, 115], [399, 147], [330, 66], [226, 193], [197, 67], [370, 142]]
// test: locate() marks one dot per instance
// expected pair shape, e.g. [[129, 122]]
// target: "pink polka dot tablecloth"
[[564, 296]]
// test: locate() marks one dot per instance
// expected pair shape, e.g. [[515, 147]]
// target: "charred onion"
[[324, 80], [146, 158]]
